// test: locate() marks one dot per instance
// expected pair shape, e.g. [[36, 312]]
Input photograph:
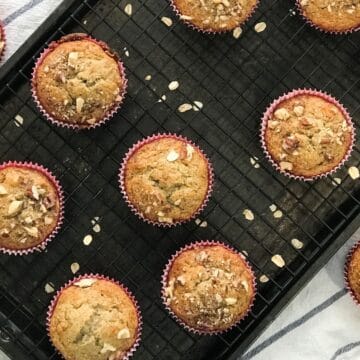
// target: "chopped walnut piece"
[[285, 165], [282, 114]]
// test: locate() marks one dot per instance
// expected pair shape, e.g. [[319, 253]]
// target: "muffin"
[[94, 318], [337, 16], [208, 287], [307, 134], [30, 207], [214, 15], [352, 272], [166, 179], [78, 82]]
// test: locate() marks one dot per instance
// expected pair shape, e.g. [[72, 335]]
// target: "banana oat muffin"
[[78, 81], [307, 133], [215, 15], [94, 318], [332, 15], [208, 287], [166, 179], [30, 206], [352, 272]]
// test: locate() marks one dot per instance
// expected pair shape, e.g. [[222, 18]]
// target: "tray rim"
[[239, 347]]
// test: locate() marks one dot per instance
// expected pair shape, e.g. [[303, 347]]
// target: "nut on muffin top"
[[353, 273], [333, 15], [307, 135], [94, 319], [209, 287], [78, 81], [215, 15], [29, 207], [166, 179]]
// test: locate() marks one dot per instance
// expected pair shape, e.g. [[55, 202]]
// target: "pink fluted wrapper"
[[148, 140], [110, 113], [270, 110], [346, 272], [316, 26], [59, 221], [2, 38], [53, 303], [210, 31], [164, 282]]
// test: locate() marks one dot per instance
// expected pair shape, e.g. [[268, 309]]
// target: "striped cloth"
[[321, 323]]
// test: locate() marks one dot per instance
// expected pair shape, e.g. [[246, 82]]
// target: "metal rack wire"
[[235, 79]]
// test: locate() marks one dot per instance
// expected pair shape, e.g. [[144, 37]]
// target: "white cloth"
[[321, 323]]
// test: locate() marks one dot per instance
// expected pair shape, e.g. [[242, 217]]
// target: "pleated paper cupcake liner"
[[349, 258]]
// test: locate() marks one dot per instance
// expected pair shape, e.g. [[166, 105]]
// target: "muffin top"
[[94, 319], [29, 207], [209, 287], [353, 273], [215, 15], [307, 135], [333, 15], [79, 81], [167, 179]]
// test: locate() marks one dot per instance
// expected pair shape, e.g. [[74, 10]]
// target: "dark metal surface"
[[235, 80]]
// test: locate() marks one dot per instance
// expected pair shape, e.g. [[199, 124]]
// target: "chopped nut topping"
[[230, 301], [35, 192], [354, 172], [249, 215], [273, 124], [201, 256], [107, 347], [32, 231], [123, 334], [278, 260], [49, 288], [198, 105], [272, 207], [73, 56], [181, 279], [148, 77], [189, 152], [184, 107], [260, 27], [298, 110], [79, 104], [15, 207], [290, 143], [84, 283], [128, 9], [237, 32], [282, 114], [278, 214], [285, 165], [48, 220], [87, 240], [75, 267], [167, 21], [172, 156], [264, 279], [3, 190], [177, 202], [173, 85], [297, 244]]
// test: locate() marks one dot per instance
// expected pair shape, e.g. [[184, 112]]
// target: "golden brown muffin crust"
[[209, 287], [216, 15], [333, 15], [167, 180], [29, 207], [78, 82], [353, 273], [307, 135], [94, 319]]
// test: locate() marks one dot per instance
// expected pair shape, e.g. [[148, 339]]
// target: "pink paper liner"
[[110, 113], [148, 140], [99, 277], [211, 31], [270, 110], [2, 38], [349, 257], [164, 282], [55, 182], [316, 26]]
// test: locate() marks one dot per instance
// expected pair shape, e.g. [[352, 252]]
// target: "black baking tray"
[[235, 79]]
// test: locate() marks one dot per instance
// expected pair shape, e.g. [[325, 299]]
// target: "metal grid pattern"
[[235, 80]]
